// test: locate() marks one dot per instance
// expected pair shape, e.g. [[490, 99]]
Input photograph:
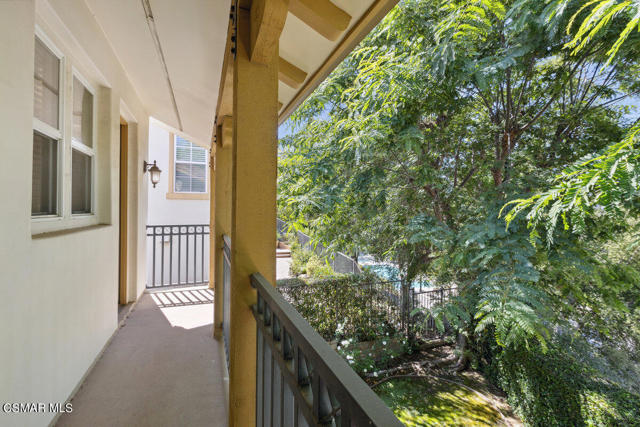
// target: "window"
[[190, 167], [47, 133], [83, 153]]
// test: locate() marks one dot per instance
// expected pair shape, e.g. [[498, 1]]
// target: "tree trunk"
[[463, 360]]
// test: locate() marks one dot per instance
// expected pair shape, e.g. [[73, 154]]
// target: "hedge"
[[554, 389]]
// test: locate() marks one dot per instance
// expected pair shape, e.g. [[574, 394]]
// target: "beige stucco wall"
[[58, 295]]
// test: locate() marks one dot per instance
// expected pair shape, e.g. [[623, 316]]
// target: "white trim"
[[46, 129], [39, 32], [205, 163], [81, 146], [51, 132]]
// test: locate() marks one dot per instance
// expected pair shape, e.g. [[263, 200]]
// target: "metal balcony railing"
[[177, 255], [301, 380]]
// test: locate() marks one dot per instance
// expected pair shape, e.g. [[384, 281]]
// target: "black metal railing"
[[364, 308], [301, 380], [178, 255], [226, 292], [422, 323], [361, 309]]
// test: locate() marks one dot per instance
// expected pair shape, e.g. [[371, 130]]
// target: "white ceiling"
[[192, 35]]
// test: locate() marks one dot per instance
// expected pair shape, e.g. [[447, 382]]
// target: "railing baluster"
[[162, 258], [171, 255], [324, 389], [202, 256], [166, 261], [179, 252]]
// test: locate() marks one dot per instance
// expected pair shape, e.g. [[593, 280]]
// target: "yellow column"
[[253, 223], [212, 221], [221, 218]]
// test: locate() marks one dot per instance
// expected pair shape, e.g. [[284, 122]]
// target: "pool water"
[[391, 273]]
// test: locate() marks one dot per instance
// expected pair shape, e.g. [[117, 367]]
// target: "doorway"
[[124, 179]]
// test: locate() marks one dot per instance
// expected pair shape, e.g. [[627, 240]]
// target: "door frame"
[[123, 213]]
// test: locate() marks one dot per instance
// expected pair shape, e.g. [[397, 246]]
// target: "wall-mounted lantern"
[[154, 172]]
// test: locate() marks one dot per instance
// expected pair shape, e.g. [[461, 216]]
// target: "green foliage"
[[371, 357], [344, 307], [604, 186], [318, 268], [554, 389], [306, 262], [429, 401], [444, 113], [600, 15], [299, 257]]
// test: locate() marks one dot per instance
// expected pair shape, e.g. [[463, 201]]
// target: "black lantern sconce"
[[154, 172]]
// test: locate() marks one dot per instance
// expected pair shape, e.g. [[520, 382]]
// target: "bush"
[[554, 389], [318, 268], [343, 307], [299, 258]]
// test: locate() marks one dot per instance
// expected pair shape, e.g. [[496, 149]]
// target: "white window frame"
[[80, 146], [51, 132], [175, 166]]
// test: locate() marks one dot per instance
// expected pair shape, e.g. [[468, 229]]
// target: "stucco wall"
[[58, 295], [163, 210]]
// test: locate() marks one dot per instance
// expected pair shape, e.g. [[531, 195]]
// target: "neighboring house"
[[180, 199]]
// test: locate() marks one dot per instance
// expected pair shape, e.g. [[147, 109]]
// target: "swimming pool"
[[390, 272]]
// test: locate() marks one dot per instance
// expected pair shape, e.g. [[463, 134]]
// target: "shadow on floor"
[[182, 297], [162, 368]]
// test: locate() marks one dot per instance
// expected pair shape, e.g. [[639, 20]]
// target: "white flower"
[[384, 343], [375, 374], [344, 342], [365, 369]]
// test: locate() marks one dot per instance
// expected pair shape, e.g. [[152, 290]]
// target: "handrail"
[[324, 387]]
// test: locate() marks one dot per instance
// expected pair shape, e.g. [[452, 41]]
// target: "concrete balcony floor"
[[162, 368]]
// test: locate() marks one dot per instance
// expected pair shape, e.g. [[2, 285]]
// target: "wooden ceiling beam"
[[323, 16], [267, 21], [290, 75]]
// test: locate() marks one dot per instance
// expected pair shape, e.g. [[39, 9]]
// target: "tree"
[[446, 111], [605, 184]]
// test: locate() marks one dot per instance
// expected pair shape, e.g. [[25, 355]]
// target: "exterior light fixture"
[[154, 172]]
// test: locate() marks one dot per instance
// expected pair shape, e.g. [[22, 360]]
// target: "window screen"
[[82, 114], [46, 145], [191, 167], [80, 183], [46, 86], [44, 176]]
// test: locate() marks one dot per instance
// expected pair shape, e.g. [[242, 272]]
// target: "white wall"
[[162, 211], [58, 295]]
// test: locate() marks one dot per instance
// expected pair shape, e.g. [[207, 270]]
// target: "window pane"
[[198, 154], [198, 178], [183, 178], [183, 150], [80, 183], [46, 85], [82, 114], [44, 176]]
